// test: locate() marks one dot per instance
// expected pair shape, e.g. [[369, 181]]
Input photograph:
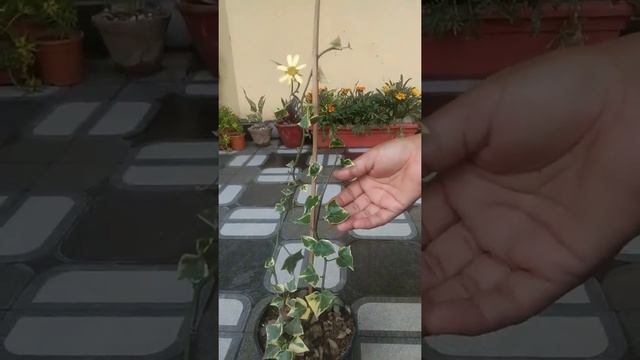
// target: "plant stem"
[[314, 127]]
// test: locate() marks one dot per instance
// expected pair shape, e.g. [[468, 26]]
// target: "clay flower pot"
[[136, 46], [290, 134], [202, 22], [60, 62], [371, 138], [261, 135], [238, 142]]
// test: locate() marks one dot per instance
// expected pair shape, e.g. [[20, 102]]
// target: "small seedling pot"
[[238, 141]]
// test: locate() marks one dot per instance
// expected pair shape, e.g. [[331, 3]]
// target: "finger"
[[437, 211], [349, 194], [459, 129], [363, 213], [362, 165], [447, 255], [520, 296]]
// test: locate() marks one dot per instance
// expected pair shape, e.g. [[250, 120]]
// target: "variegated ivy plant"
[[285, 338]]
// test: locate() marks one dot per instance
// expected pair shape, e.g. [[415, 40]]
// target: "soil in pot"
[[136, 41], [60, 62], [238, 142], [290, 134], [260, 134], [328, 338]]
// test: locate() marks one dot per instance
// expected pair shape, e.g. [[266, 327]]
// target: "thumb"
[[362, 166], [459, 129]]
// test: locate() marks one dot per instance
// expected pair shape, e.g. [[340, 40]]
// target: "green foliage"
[[256, 110], [228, 123], [60, 17], [398, 100]]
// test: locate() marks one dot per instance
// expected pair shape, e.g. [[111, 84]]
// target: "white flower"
[[292, 70]]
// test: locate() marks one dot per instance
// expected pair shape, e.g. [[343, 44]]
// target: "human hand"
[[387, 181], [538, 183]]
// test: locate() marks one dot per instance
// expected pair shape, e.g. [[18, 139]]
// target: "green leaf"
[[294, 327], [335, 214], [324, 248], [310, 203], [291, 262], [314, 169], [280, 288], [285, 355], [281, 114], [345, 259], [346, 163], [202, 245], [336, 43], [280, 208], [305, 219], [252, 104], [319, 302], [336, 142], [297, 308], [192, 268], [305, 122], [277, 301], [297, 346], [291, 164], [292, 285], [287, 191], [269, 263], [274, 331], [272, 351], [310, 276], [309, 242]]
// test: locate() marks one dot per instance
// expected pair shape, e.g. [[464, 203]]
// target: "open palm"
[[387, 181], [538, 182]]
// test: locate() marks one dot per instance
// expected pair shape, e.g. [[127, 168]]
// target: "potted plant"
[[362, 118], [60, 58], [293, 325], [474, 38], [201, 18], [134, 32], [17, 46], [231, 134], [260, 130], [287, 119], [200, 270]]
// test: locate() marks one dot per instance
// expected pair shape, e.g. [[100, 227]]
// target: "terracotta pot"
[[261, 136], [370, 139], [60, 62], [5, 78], [290, 134], [202, 22], [500, 44], [135, 46], [237, 141], [29, 27]]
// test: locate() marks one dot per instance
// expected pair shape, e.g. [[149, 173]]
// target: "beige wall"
[[384, 35]]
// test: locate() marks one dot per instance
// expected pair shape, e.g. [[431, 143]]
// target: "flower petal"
[[301, 66], [283, 78], [296, 58], [289, 60], [282, 68], [298, 78]]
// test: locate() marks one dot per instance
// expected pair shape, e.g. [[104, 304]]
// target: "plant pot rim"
[[193, 7], [235, 133], [590, 9], [44, 38], [285, 124], [160, 15]]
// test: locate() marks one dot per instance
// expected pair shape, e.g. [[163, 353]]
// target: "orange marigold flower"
[[400, 96], [331, 108], [344, 91], [360, 88], [415, 91]]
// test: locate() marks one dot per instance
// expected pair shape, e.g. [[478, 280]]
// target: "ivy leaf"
[[310, 203], [203, 245], [297, 346], [314, 169], [292, 285], [280, 208], [279, 288], [346, 163], [297, 307], [319, 302], [305, 219], [291, 262], [192, 268], [345, 259], [274, 331], [336, 142], [324, 248], [336, 43], [271, 351], [269, 263], [291, 164], [285, 355], [305, 122], [277, 301], [294, 327], [287, 191], [308, 242], [335, 214], [310, 276]]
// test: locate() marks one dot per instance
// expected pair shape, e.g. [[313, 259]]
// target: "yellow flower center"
[[292, 71], [400, 96]]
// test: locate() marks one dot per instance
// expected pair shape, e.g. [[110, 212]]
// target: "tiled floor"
[[250, 184], [99, 196], [598, 320]]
